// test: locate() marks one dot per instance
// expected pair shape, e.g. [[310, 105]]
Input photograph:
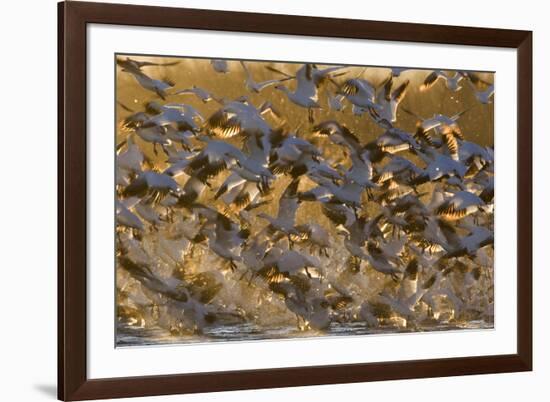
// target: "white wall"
[[28, 199]]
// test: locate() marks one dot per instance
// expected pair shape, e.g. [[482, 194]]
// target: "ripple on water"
[[135, 336]]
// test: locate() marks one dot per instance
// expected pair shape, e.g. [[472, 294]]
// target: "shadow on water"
[[49, 390]]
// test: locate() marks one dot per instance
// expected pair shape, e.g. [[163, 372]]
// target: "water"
[[137, 336]]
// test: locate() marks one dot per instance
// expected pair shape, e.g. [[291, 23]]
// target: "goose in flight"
[[446, 127], [438, 120], [338, 134], [150, 213], [241, 118], [456, 246], [159, 87], [310, 73], [150, 183], [132, 158], [127, 218], [314, 313], [335, 102], [181, 116], [302, 97], [487, 193], [220, 65], [200, 93], [192, 190], [397, 71], [257, 87], [452, 82], [142, 272], [232, 182], [286, 216], [409, 284], [355, 237], [214, 158], [461, 204], [296, 157], [383, 262], [339, 214], [450, 138], [348, 192], [243, 197], [177, 298], [438, 166], [178, 161], [398, 169], [470, 152], [308, 79], [218, 156], [134, 66], [153, 133], [409, 294], [225, 239], [292, 262], [395, 140], [389, 101], [314, 235], [485, 96], [360, 92]]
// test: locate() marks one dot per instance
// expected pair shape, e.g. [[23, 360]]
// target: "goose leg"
[[310, 115], [307, 272]]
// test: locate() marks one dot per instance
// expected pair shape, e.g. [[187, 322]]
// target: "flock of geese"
[[233, 216]]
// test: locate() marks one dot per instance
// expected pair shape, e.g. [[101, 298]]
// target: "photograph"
[[269, 200]]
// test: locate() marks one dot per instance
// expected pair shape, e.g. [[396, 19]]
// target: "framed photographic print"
[[323, 201]]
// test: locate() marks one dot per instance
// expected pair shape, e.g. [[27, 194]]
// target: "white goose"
[[132, 158], [286, 216], [182, 116], [439, 166], [459, 205], [127, 218], [154, 134], [134, 66], [339, 134], [306, 94], [383, 261], [225, 241], [200, 93], [220, 65], [151, 183], [452, 82], [257, 87], [485, 96], [360, 92], [389, 101], [157, 86]]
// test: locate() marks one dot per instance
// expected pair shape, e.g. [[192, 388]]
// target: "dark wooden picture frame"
[[73, 17]]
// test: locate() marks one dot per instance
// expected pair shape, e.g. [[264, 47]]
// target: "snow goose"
[[220, 66], [200, 93], [383, 262], [452, 82], [338, 134], [286, 216], [159, 87], [134, 66], [151, 183], [257, 87], [459, 205], [389, 101], [127, 218]]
